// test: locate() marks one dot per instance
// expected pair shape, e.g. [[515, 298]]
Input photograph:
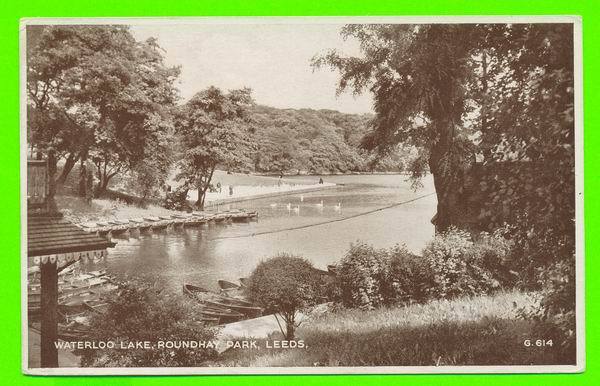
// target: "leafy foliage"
[[284, 285], [96, 93], [417, 76], [453, 264], [318, 141], [463, 267], [214, 128], [362, 276], [409, 277], [177, 200], [137, 313], [490, 106]]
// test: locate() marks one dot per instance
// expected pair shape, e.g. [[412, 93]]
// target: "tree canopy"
[[284, 285], [474, 93], [94, 92], [490, 106], [215, 129]]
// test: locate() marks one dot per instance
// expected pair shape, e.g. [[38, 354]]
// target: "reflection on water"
[[204, 255]]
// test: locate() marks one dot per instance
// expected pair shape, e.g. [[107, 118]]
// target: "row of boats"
[[79, 296], [73, 290], [83, 295], [119, 226]]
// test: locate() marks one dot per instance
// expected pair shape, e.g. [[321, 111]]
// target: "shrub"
[[559, 305], [445, 255], [463, 267], [284, 285], [555, 315], [409, 277], [452, 265], [177, 200], [138, 312], [362, 274], [493, 252]]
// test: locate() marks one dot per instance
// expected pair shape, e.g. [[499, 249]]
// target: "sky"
[[272, 59]]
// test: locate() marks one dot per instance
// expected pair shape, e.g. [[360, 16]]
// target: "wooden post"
[[49, 308]]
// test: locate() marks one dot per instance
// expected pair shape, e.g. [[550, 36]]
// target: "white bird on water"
[[289, 206], [301, 198], [337, 207], [273, 205]]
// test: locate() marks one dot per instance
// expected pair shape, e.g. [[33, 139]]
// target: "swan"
[[273, 205], [289, 206], [301, 198], [338, 206]]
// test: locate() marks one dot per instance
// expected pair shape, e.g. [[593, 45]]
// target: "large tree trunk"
[[203, 188], [69, 164], [83, 178], [446, 168], [290, 326], [102, 186], [104, 175]]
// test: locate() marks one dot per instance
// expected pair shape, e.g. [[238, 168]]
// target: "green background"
[[10, 13]]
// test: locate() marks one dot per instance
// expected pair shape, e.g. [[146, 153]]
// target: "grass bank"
[[483, 330], [77, 210]]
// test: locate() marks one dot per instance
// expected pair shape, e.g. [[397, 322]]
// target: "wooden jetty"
[[181, 220]]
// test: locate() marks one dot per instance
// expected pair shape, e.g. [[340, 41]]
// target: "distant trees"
[[215, 130], [284, 285], [317, 141], [95, 93]]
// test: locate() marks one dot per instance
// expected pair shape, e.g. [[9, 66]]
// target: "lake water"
[[204, 255]]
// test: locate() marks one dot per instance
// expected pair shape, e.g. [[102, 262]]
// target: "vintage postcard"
[[302, 195]]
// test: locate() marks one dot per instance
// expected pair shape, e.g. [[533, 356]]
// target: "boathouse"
[[53, 243]]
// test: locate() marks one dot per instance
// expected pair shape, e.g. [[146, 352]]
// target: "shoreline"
[[275, 175], [232, 200], [121, 206]]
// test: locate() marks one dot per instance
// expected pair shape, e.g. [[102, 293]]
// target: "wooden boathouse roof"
[[47, 235]]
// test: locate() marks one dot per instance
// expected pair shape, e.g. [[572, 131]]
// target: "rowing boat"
[[226, 285]]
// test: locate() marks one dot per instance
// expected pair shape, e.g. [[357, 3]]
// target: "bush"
[[463, 267], [409, 277], [284, 285], [139, 312], [177, 200], [555, 315], [452, 265], [445, 255], [362, 274], [494, 253]]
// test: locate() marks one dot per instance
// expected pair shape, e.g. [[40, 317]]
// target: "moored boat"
[[193, 290], [98, 306], [247, 310], [119, 227], [244, 282], [211, 311], [226, 285]]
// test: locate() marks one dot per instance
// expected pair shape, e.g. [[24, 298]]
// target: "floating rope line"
[[323, 222]]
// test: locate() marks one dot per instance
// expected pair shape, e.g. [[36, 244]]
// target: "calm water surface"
[[204, 255]]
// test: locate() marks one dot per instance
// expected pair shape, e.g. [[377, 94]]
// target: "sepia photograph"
[[302, 195]]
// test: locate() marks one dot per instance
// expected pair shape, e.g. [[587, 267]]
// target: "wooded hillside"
[[316, 141]]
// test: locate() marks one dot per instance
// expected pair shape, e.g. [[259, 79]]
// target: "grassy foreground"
[[484, 330]]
